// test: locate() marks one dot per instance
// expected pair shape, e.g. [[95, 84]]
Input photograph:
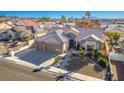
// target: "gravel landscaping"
[[86, 68]]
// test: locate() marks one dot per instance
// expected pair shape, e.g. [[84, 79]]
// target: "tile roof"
[[84, 32], [28, 22], [94, 37], [53, 37], [116, 29]]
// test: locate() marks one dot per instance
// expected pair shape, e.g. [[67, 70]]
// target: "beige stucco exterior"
[[63, 47], [84, 44]]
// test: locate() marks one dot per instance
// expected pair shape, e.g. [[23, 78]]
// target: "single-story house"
[[8, 34], [74, 37], [5, 31]]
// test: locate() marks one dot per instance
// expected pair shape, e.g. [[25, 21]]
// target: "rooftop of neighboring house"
[[116, 29], [48, 24], [21, 29], [4, 25], [27, 22], [2, 31]]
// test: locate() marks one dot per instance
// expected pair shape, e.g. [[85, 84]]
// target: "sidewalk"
[[72, 75], [20, 62]]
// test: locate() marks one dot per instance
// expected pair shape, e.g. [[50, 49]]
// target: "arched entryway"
[[72, 42]]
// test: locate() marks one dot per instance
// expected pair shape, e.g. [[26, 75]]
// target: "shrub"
[[103, 62], [82, 52], [27, 37], [99, 54], [57, 58]]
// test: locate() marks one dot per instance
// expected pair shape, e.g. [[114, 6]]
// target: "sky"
[[58, 14]]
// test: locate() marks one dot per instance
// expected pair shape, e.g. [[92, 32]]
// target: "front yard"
[[93, 65], [85, 68]]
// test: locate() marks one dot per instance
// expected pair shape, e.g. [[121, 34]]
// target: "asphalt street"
[[13, 72]]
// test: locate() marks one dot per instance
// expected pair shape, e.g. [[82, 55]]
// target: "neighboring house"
[[31, 26], [22, 31], [39, 32], [4, 26], [3, 35], [119, 29], [27, 22], [4, 31], [52, 41], [7, 35]]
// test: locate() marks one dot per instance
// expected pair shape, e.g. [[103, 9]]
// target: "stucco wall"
[[52, 47], [85, 43]]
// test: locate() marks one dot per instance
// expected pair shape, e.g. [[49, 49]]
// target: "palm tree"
[[113, 38], [88, 14], [116, 37], [63, 20]]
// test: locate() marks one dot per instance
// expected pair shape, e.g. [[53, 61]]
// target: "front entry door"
[[72, 43]]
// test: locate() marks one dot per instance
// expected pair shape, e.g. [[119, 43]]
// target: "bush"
[[99, 54], [103, 62], [57, 58], [27, 37]]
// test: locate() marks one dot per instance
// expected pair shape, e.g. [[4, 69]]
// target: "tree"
[[116, 37], [63, 20], [113, 37], [44, 19], [103, 62], [88, 14], [82, 53]]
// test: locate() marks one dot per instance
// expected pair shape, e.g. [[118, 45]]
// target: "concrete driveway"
[[34, 56]]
